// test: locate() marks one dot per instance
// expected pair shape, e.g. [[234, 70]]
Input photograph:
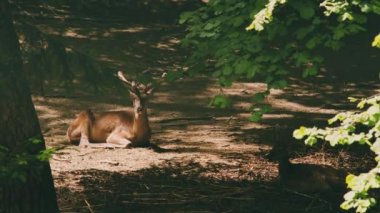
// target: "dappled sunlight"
[[46, 112], [283, 104], [196, 147], [136, 29], [109, 59], [164, 47], [130, 46], [277, 116], [74, 34], [169, 45], [196, 132]]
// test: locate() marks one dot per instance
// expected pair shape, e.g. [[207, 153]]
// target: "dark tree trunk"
[[18, 123]]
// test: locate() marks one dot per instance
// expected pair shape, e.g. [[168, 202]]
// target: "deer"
[[306, 178], [124, 129]]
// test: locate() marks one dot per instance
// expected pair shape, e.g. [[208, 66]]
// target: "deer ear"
[[80, 114]]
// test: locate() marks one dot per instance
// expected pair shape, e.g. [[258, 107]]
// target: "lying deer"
[[115, 128], [307, 178]]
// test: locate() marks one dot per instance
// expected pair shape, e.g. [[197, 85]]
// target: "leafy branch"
[[16, 166], [266, 40], [350, 131]]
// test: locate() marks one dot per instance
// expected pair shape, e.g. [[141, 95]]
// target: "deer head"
[[138, 93]]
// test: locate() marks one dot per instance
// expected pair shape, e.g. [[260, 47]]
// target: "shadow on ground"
[[182, 187]]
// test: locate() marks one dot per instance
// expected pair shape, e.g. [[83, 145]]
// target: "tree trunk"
[[18, 123]]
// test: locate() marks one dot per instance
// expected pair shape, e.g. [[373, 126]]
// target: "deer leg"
[[117, 139], [84, 140], [73, 134], [85, 143], [85, 129]]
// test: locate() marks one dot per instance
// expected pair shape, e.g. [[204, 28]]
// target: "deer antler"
[[146, 89], [121, 76]]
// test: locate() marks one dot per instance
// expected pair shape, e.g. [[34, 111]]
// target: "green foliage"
[[282, 37], [265, 15], [16, 166], [173, 75], [259, 111], [361, 127], [220, 101], [259, 108], [376, 41]]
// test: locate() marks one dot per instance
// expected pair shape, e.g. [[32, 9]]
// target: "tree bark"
[[18, 123]]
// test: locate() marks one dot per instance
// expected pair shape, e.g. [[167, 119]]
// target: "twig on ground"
[[300, 194], [60, 159], [306, 195], [96, 150], [88, 206], [240, 198], [113, 163]]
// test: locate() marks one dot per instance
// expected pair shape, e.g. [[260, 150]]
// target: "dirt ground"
[[206, 160]]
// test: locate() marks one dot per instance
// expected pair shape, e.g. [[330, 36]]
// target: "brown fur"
[[101, 125]]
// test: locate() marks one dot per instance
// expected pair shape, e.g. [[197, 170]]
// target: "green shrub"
[[350, 131]]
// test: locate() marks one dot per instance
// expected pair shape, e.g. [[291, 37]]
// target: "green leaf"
[[45, 155], [251, 71], [347, 16], [300, 133], [349, 181], [301, 33], [310, 71], [300, 58], [346, 205], [376, 41], [207, 34], [256, 116], [361, 104], [238, 21], [373, 110], [227, 70], [352, 99], [22, 162], [311, 140], [36, 141], [3, 149], [220, 101], [224, 81], [335, 138], [280, 84], [243, 66], [376, 146], [216, 74], [259, 97], [266, 109], [313, 42], [172, 76], [185, 17], [306, 12]]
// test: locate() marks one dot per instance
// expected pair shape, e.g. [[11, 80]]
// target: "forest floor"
[[208, 160]]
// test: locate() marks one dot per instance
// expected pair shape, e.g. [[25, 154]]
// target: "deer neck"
[[140, 124]]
